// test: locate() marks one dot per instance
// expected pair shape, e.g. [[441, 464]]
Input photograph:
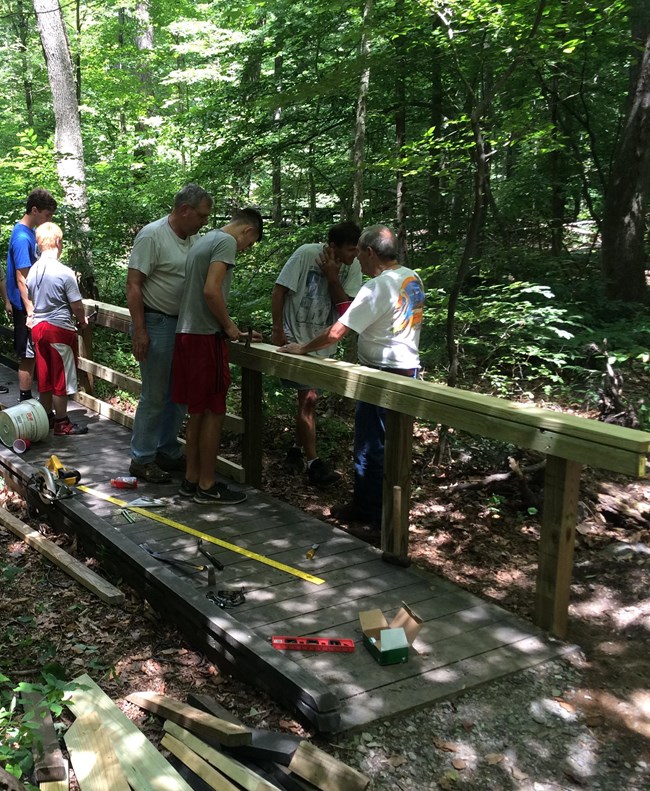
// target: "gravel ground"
[[521, 732]]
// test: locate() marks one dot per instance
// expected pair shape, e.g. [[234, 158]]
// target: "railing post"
[[251, 409], [85, 349], [556, 545], [398, 454]]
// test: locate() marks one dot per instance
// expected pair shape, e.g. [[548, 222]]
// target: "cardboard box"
[[389, 643]]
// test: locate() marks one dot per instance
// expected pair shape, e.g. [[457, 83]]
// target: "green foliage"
[[18, 730]]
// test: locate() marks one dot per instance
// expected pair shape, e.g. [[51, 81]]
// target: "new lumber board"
[[198, 765], [265, 745], [74, 568], [145, 768], [49, 763], [93, 757], [56, 785], [325, 771], [192, 719], [233, 769], [581, 439]]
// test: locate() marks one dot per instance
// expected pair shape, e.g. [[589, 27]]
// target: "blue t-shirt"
[[21, 255]]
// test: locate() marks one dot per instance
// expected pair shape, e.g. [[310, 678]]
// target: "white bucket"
[[26, 420]]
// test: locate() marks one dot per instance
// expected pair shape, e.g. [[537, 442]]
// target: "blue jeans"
[[369, 442], [157, 419], [369, 439]]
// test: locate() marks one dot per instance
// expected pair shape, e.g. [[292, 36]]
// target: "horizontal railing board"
[[555, 433]]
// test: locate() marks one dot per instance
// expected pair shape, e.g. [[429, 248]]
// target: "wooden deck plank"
[[360, 673], [446, 681], [345, 617]]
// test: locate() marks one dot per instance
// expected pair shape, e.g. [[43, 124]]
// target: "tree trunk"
[[624, 216], [68, 145], [19, 21], [435, 160], [400, 135], [359, 145], [276, 162]]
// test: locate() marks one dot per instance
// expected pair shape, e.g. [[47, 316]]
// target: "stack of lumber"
[[209, 749]]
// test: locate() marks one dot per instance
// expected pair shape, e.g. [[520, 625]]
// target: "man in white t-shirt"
[[387, 315], [310, 293], [154, 286]]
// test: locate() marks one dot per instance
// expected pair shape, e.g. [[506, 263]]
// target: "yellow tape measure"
[[185, 529]]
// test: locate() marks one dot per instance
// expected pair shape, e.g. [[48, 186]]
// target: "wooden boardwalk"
[[464, 641]]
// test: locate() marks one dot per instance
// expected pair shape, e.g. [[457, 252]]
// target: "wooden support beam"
[[49, 763], [128, 383], [73, 567], [251, 401], [325, 771], [233, 769], [556, 545], [192, 719], [196, 764], [85, 350], [398, 456]]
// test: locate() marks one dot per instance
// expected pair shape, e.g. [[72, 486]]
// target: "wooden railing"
[[568, 443]]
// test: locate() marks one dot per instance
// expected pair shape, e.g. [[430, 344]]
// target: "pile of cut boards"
[[209, 749]]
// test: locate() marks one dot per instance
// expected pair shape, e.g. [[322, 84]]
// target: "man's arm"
[[213, 294], [135, 302], [327, 337], [278, 296], [21, 282], [77, 308], [5, 298]]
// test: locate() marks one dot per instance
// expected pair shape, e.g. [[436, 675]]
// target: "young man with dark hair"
[[154, 286], [311, 291], [21, 255], [387, 315], [201, 375]]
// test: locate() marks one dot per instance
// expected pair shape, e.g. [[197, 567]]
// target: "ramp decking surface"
[[464, 641]]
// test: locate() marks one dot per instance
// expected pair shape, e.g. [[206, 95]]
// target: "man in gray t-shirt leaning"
[[310, 293]]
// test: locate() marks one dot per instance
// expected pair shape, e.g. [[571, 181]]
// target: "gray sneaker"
[[150, 472], [218, 494]]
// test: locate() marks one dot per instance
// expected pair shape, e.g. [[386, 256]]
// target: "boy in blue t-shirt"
[[21, 255]]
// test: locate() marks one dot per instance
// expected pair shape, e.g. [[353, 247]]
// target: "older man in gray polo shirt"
[[154, 286]]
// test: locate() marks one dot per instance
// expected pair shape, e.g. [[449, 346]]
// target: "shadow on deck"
[[261, 543]]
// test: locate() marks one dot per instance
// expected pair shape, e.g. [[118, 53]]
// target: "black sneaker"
[[218, 494], [187, 488], [294, 460], [171, 464], [149, 471], [321, 475]]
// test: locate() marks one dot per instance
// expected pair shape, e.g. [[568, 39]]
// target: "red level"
[[340, 645]]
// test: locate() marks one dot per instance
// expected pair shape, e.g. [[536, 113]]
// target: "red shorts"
[[200, 374], [56, 359]]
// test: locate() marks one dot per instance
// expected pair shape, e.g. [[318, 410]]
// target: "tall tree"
[[624, 220], [358, 148], [68, 144]]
